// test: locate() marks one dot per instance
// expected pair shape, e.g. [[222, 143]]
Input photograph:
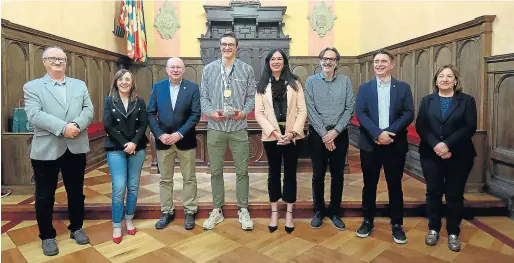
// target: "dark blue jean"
[[125, 173]]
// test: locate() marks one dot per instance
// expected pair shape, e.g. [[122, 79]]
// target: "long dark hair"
[[286, 73], [114, 93]]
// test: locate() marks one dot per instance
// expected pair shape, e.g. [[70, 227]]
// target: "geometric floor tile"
[[228, 243]]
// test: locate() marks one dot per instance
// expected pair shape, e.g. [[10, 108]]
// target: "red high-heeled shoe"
[[117, 240], [131, 231]]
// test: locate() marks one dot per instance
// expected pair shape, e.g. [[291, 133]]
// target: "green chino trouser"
[[216, 145]]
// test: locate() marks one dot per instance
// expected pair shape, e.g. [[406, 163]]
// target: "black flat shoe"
[[273, 228], [289, 230]]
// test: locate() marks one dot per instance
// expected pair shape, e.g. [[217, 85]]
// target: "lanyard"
[[226, 80]]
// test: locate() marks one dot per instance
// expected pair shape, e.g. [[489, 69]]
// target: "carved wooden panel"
[[505, 105], [106, 79], [443, 57], [362, 73], [469, 66], [95, 88], [423, 85], [406, 70], [144, 82], [317, 69], [191, 74], [302, 72], [161, 74], [371, 71], [15, 64], [347, 70], [39, 67], [80, 68], [106, 86], [262, 57]]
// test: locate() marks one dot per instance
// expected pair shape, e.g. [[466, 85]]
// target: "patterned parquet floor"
[[228, 243]]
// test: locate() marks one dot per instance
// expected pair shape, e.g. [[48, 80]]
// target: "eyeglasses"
[[55, 59], [231, 45], [174, 67], [325, 59]]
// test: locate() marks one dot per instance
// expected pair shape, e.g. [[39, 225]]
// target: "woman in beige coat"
[[281, 112]]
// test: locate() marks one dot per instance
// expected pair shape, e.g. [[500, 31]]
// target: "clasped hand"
[[442, 150], [170, 139], [385, 138], [283, 139], [218, 115], [71, 131]]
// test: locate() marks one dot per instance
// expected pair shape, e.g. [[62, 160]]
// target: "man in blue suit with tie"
[[173, 112], [384, 110]]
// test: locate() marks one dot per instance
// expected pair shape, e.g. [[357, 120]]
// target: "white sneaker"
[[215, 217], [244, 219]]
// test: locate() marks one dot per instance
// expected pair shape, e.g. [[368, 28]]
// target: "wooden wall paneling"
[[422, 77], [469, 60], [161, 73], [94, 87], [16, 166], [443, 56], [362, 73], [500, 156], [16, 65], [191, 74], [406, 70], [144, 81], [39, 69], [302, 72], [106, 85], [80, 68], [371, 71]]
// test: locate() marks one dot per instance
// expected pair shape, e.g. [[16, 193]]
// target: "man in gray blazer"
[[60, 110]]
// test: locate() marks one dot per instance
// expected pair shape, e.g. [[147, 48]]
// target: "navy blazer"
[[163, 119], [456, 129], [401, 114]]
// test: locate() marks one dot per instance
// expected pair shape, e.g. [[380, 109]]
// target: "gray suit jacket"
[[49, 115]]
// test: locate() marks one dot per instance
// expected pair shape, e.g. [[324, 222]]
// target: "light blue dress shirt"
[[174, 89], [384, 100]]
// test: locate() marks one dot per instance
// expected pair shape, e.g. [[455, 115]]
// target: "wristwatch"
[[294, 134]]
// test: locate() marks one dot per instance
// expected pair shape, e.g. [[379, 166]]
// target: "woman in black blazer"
[[446, 122], [125, 120]]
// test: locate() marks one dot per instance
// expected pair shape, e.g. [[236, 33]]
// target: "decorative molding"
[[166, 21], [322, 19]]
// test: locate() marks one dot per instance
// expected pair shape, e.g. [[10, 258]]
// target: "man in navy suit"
[[173, 112], [384, 110]]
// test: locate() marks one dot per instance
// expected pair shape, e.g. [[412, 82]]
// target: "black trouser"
[[72, 167], [275, 153], [448, 177], [321, 157], [371, 163]]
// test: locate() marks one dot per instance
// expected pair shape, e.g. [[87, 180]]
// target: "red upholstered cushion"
[[95, 129]]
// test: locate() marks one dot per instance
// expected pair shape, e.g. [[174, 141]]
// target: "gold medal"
[[227, 93]]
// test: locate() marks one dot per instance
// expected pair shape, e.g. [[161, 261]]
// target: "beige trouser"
[[166, 161]]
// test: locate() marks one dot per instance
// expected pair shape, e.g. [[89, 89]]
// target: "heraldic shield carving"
[[166, 21], [321, 19]]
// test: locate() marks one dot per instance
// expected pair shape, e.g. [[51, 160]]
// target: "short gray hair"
[[52, 47]]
